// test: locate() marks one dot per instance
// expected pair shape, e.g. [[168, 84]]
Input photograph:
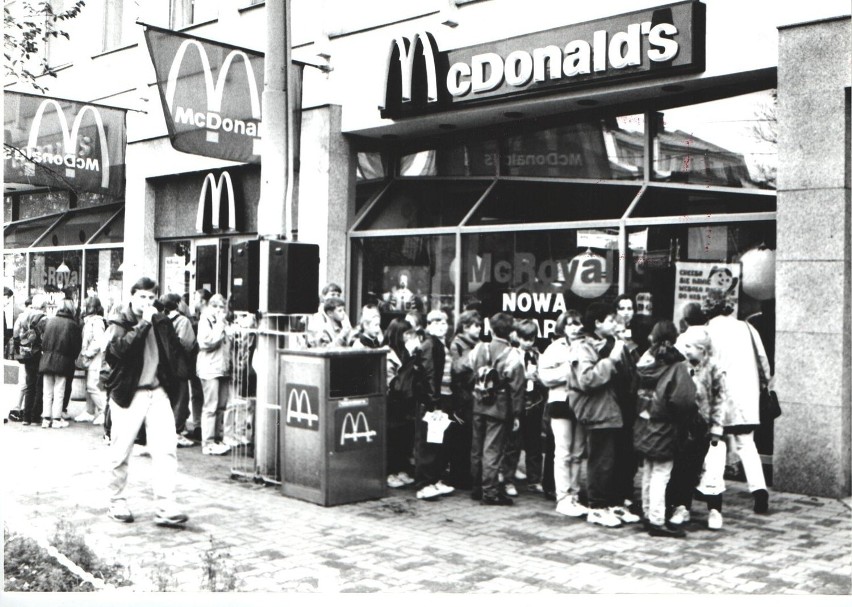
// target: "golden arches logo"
[[299, 407], [216, 187], [407, 51], [358, 428], [68, 157]]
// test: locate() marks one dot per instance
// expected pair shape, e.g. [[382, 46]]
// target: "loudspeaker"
[[293, 277], [245, 276]]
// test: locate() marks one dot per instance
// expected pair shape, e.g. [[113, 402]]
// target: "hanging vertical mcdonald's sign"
[[70, 145], [211, 94]]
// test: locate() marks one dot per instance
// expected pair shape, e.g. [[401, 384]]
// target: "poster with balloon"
[[696, 282]]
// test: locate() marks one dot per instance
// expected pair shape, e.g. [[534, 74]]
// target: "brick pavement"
[[400, 544]]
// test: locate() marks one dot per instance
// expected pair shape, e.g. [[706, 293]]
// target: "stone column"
[[814, 323], [140, 248], [326, 190]]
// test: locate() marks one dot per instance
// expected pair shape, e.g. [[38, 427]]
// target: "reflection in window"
[[408, 273], [15, 275], [473, 159], [175, 267], [728, 142], [51, 272], [42, 203], [77, 228], [24, 234], [427, 203], [370, 165], [103, 278], [539, 274]]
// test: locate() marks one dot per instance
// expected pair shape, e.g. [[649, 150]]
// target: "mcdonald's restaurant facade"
[[457, 151]]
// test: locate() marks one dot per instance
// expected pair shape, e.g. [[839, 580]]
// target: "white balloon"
[[758, 276]]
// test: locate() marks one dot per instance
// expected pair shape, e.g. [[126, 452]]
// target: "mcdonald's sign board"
[[355, 428], [302, 407], [63, 144], [649, 43], [211, 94]]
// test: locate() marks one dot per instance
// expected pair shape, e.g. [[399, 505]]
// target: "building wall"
[[813, 375]]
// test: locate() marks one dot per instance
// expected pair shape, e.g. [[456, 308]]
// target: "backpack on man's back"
[[29, 347]]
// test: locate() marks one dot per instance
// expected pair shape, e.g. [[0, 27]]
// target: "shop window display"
[[175, 267], [103, 276], [539, 274], [408, 273], [52, 272]]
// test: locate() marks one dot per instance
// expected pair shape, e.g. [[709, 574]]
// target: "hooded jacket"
[[661, 419], [462, 375], [61, 342], [509, 364], [124, 355], [591, 385]]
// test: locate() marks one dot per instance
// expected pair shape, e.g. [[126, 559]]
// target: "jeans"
[[151, 408], [486, 453], [746, 450], [214, 424], [33, 398], [626, 465], [430, 459], [548, 470], [686, 473], [95, 397], [400, 445], [569, 441], [196, 401], [459, 438], [528, 438], [603, 492], [655, 479], [179, 398], [54, 394]]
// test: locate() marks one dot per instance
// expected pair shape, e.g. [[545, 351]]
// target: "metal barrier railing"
[[255, 446]]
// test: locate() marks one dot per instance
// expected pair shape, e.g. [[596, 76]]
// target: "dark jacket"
[[61, 341], [432, 354], [124, 354], [662, 418], [462, 375], [591, 385], [509, 364]]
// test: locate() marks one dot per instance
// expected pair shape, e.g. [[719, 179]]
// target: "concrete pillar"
[[140, 248], [326, 189], [813, 267]]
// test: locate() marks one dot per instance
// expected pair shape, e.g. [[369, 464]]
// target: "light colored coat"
[[214, 342], [554, 368], [734, 355]]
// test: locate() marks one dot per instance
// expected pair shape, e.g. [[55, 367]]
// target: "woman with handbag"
[[741, 356], [91, 359]]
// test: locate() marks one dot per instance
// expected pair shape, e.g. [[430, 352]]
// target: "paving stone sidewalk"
[[400, 544]]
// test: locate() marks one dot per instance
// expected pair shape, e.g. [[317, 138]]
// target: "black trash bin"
[[333, 425]]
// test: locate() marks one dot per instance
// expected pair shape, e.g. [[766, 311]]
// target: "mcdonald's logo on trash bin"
[[358, 428], [302, 406]]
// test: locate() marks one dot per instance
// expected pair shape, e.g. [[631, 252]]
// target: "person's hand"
[[516, 425], [148, 313], [617, 350], [457, 419]]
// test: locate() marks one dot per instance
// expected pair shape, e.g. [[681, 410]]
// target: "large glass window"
[[175, 267], [408, 272], [53, 271], [77, 228], [15, 275], [539, 274], [26, 233], [729, 142], [419, 204], [472, 159], [104, 277]]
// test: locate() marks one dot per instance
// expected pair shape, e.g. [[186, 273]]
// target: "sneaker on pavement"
[[118, 511], [429, 492], [624, 515], [84, 417], [569, 506], [679, 516], [714, 520], [405, 478], [45, 423], [215, 449], [230, 442], [444, 488], [663, 531], [182, 441], [59, 423], [535, 488], [604, 517], [99, 420], [520, 475], [499, 500], [169, 518], [394, 481], [510, 490]]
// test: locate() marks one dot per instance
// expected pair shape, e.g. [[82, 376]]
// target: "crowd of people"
[[610, 395]]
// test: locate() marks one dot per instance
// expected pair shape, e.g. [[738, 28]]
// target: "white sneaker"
[[394, 481], [45, 423], [99, 420], [625, 515], [603, 517], [679, 516], [444, 488], [215, 449], [405, 478], [714, 520], [60, 423], [429, 492], [510, 490], [569, 506], [520, 475], [84, 417]]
